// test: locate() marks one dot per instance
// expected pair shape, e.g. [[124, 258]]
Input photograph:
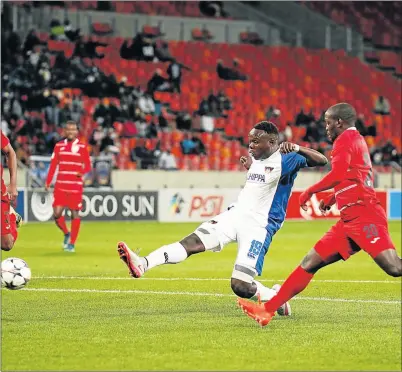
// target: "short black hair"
[[71, 122], [268, 127], [344, 111]]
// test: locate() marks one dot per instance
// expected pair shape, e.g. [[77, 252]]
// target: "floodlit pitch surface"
[[82, 312]]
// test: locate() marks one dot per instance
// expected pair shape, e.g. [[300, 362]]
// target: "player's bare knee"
[[242, 289], [57, 214], [7, 243], [192, 244]]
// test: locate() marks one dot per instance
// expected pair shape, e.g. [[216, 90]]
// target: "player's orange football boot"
[[255, 311], [131, 259]]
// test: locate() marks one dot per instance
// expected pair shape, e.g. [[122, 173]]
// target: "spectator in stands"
[[108, 143], [90, 49], [224, 103], [382, 106], [227, 73], [213, 105], [152, 130], [175, 74], [188, 146], [360, 126], [146, 104], [203, 108], [95, 139], [158, 83], [207, 123], [312, 133], [143, 155], [199, 145], [302, 118], [389, 153], [77, 108], [183, 121], [71, 34], [167, 161], [162, 52], [31, 41], [288, 133], [52, 111]]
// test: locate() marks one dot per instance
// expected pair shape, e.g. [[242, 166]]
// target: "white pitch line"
[[203, 294], [209, 279]]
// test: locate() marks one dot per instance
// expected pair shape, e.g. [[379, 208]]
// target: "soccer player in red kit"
[[363, 224], [9, 222], [72, 158]]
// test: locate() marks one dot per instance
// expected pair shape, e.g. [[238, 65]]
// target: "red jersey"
[[71, 158], [350, 152], [4, 143]]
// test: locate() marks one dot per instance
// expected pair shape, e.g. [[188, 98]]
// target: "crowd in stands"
[[35, 105]]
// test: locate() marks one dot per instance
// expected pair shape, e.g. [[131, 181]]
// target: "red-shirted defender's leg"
[[9, 232], [59, 204], [75, 228], [324, 253]]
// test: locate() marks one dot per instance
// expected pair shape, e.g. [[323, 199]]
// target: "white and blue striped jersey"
[[269, 183]]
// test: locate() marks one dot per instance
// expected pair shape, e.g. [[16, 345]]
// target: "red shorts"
[[362, 227], [5, 217], [66, 199]]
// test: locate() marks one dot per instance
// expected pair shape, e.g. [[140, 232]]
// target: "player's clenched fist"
[[246, 161], [287, 147]]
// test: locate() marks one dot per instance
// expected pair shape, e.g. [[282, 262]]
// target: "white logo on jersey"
[[75, 148], [375, 240], [63, 148]]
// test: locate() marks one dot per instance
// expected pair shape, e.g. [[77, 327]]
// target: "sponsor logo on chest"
[[256, 177]]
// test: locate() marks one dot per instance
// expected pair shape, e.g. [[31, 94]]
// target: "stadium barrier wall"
[[176, 205], [198, 205], [100, 206]]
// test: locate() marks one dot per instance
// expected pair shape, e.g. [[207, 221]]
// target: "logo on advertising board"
[[193, 205], [102, 205], [176, 204]]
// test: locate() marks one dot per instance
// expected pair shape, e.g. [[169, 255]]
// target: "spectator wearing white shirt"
[[167, 161], [382, 106], [146, 104]]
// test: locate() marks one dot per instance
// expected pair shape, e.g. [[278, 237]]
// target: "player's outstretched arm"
[[13, 168], [52, 169], [313, 157]]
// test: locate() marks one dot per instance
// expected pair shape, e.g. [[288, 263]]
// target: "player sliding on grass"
[[72, 158], [252, 221], [363, 223], [10, 219]]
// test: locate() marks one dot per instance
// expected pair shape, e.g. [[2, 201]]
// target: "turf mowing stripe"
[[136, 291], [211, 279]]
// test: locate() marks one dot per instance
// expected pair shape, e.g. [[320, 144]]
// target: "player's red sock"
[[75, 228], [61, 223], [294, 284], [13, 226]]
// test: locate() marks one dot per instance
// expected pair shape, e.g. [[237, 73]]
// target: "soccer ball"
[[15, 273]]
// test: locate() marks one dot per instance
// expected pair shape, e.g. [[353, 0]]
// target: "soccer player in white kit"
[[251, 222]]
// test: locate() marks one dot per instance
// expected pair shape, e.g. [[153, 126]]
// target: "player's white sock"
[[263, 292], [168, 254]]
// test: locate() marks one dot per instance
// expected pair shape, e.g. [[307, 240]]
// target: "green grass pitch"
[[82, 312]]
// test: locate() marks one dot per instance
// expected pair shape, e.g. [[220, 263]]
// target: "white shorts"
[[253, 240]]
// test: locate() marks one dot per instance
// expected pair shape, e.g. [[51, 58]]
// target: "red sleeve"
[[4, 141], [341, 157], [86, 160], [53, 165]]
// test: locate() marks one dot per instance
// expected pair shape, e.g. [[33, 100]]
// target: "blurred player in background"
[[73, 161], [10, 220], [251, 222], [363, 223]]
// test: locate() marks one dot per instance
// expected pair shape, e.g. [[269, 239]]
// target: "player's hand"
[[246, 161], [12, 192], [47, 187], [287, 147], [79, 174], [304, 198], [326, 204]]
